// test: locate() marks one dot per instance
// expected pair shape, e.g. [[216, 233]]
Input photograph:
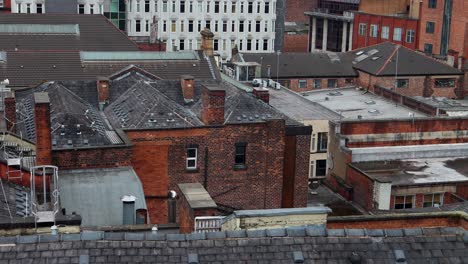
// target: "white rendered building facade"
[[247, 24]]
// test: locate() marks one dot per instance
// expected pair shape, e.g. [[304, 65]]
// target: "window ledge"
[[239, 167], [194, 170]]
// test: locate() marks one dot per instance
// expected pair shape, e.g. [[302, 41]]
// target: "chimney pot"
[[188, 87], [213, 97]]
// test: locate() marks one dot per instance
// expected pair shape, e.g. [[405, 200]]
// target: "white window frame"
[[374, 29], [410, 36], [385, 32], [362, 29], [441, 196], [311, 168], [321, 148], [191, 159], [397, 32]]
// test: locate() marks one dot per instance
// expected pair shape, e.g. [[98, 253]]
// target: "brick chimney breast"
[[188, 87], [103, 91], [213, 97], [262, 94], [10, 111], [43, 131]]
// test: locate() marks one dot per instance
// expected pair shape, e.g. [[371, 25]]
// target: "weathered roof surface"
[[377, 60], [311, 65], [136, 101], [381, 60], [354, 104], [315, 244], [96, 33], [75, 121], [160, 104], [297, 107], [29, 68], [196, 195], [417, 171], [96, 194], [13, 200]]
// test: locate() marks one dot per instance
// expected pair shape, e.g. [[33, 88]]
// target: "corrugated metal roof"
[[72, 29], [136, 55], [96, 194]]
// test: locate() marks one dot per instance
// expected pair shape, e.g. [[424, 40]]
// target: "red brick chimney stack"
[[207, 41], [10, 111], [43, 131], [188, 87], [103, 90], [213, 97], [262, 94]]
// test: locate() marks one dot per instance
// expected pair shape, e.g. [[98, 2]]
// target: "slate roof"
[[381, 60], [74, 120], [30, 68], [378, 60], [311, 65], [136, 101], [160, 104], [314, 244], [96, 33], [13, 200]]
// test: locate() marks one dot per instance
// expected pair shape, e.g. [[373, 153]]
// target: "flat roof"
[[451, 106], [352, 104], [298, 108], [417, 171]]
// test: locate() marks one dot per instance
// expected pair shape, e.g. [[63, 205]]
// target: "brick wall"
[[418, 85], [363, 188], [259, 185], [43, 133], [10, 113], [462, 190], [360, 41], [295, 10], [383, 7], [186, 214], [399, 221], [458, 28], [341, 82], [99, 157], [295, 42], [398, 126], [302, 170]]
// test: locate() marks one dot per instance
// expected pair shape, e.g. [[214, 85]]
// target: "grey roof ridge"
[[303, 231], [175, 105], [117, 74]]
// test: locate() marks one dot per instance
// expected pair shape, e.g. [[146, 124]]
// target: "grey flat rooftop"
[[196, 195], [96, 194], [452, 107], [417, 171], [352, 103], [298, 108]]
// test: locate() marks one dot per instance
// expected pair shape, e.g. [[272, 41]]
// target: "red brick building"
[[370, 29], [296, 25], [5, 6], [399, 164], [444, 28], [246, 154]]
